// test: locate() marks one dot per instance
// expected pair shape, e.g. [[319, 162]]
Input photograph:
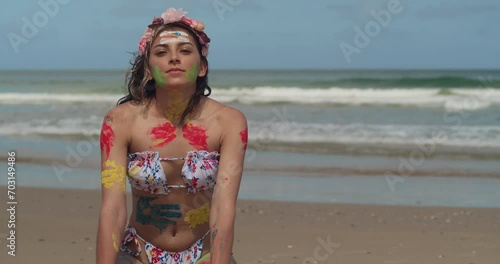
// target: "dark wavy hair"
[[141, 89]]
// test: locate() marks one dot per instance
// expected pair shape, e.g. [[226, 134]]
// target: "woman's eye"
[[160, 53], [186, 51]]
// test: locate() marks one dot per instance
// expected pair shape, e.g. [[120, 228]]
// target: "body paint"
[[115, 242], [132, 171], [192, 74], [244, 137], [159, 77], [107, 136], [177, 105], [197, 216], [213, 235], [205, 259], [162, 134], [156, 214], [173, 36], [196, 135], [113, 175]]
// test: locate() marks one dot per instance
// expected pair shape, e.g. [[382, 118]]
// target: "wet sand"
[[59, 226]]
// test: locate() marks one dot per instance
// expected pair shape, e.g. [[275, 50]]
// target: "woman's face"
[[174, 59]]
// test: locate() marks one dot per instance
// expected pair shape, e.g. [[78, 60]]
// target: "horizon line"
[[267, 69]]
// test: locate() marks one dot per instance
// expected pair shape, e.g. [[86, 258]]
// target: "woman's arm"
[[113, 213], [223, 212]]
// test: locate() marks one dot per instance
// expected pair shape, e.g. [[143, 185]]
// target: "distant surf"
[[449, 99]]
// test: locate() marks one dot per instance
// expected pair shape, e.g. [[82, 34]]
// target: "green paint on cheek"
[[192, 74], [160, 78]]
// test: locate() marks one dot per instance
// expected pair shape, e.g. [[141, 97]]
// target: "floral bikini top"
[[146, 173]]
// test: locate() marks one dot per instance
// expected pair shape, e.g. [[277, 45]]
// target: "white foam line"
[[45, 98], [460, 99], [293, 132]]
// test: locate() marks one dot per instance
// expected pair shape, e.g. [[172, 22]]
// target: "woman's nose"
[[174, 58]]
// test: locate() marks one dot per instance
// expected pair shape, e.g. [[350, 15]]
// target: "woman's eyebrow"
[[166, 45], [185, 43], [161, 46]]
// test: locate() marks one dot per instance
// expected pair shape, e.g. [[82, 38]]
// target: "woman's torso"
[[175, 220]]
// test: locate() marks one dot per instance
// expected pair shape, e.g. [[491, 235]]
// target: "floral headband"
[[170, 16]]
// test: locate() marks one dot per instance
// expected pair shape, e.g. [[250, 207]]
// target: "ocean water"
[[321, 124]]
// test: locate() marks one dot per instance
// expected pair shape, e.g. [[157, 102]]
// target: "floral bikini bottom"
[[192, 255]]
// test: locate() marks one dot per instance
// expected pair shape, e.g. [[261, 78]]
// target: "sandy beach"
[[375, 143], [59, 226]]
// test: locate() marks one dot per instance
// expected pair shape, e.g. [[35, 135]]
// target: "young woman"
[[181, 151]]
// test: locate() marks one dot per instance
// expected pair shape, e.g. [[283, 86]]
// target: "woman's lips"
[[176, 71]]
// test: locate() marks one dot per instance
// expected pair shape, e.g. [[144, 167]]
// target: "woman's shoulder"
[[226, 113], [123, 113]]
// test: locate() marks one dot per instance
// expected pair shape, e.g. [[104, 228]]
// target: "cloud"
[[449, 9]]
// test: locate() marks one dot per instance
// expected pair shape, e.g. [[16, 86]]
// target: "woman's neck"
[[172, 102]]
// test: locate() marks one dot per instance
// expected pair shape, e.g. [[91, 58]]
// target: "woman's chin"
[[177, 83]]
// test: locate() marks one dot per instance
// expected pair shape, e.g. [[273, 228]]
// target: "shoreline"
[[63, 191], [334, 169], [331, 189], [60, 225]]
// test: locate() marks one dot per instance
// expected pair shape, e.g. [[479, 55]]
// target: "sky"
[[260, 34]]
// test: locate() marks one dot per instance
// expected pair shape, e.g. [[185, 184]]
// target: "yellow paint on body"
[[134, 170], [115, 242], [177, 105], [197, 216], [151, 180], [113, 175]]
